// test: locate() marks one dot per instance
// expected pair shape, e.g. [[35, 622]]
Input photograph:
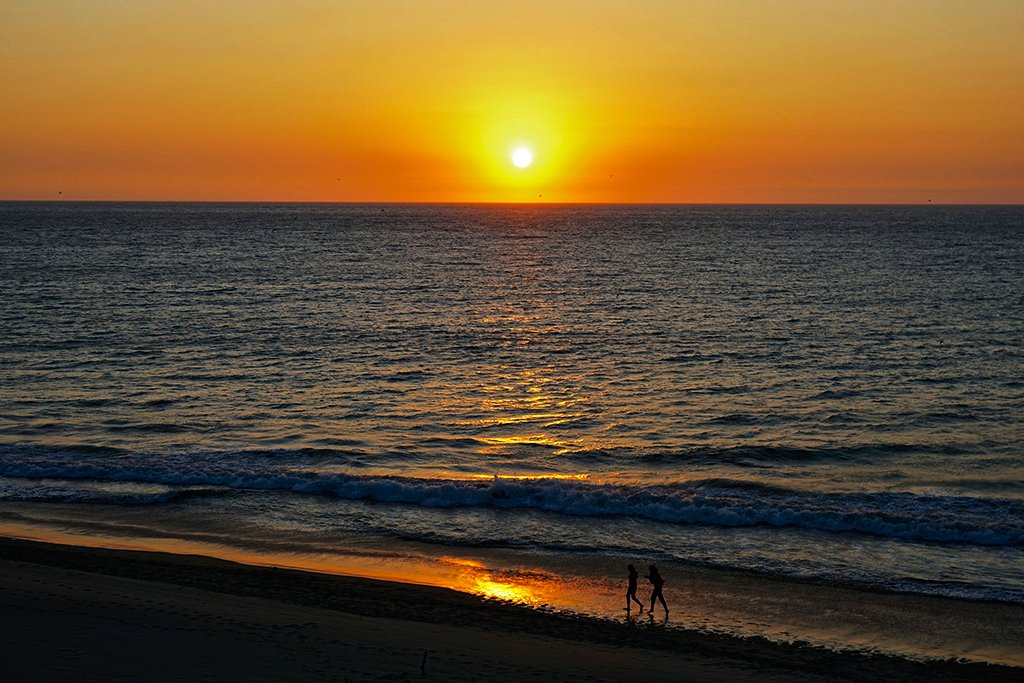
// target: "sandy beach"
[[74, 613]]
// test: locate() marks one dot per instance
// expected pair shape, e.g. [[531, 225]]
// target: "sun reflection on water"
[[575, 476]]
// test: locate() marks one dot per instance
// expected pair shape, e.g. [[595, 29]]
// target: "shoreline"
[[415, 613], [744, 605]]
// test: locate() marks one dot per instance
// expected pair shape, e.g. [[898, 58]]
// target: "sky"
[[834, 101]]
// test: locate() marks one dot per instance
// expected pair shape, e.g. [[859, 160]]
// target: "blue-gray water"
[[825, 392]]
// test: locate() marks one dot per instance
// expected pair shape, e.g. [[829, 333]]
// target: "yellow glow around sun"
[[538, 121], [522, 157]]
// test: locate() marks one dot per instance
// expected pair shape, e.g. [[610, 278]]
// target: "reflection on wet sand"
[[708, 600], [477, 578]]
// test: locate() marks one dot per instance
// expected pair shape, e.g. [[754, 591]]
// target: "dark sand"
[[82, 614]]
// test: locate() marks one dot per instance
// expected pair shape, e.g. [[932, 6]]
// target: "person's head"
[[653, 570], [632, 569]]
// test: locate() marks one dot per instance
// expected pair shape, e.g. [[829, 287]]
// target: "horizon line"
[[484, 203]]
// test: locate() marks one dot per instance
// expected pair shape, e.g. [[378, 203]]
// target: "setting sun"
[[522, 157], [609, 102]]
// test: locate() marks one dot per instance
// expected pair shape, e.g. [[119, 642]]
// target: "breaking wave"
[[716, 502]]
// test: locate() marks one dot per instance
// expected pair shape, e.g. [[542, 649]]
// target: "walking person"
[[655, 578], [631, 590]]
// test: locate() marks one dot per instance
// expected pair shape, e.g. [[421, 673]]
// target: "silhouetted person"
[[631, 590], [655, 578]]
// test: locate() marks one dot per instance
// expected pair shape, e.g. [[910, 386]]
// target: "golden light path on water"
[[529, 405]]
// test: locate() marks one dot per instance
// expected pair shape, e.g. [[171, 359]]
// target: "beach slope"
[[75, 613]]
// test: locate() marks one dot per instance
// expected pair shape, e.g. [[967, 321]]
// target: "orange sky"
[[423, 100]]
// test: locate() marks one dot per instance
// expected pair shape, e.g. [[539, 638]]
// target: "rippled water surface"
[[823, 392]]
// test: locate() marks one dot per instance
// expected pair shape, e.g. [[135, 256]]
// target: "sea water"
[[825, 393]]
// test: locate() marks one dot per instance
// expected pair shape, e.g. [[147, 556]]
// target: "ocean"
[[517, 400]]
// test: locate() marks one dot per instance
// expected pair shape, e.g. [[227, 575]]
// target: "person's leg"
[[663, 603]]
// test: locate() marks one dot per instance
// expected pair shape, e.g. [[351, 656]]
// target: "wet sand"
[[75, 613]]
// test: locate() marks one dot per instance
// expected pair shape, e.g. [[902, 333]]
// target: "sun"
[[522, 157]]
